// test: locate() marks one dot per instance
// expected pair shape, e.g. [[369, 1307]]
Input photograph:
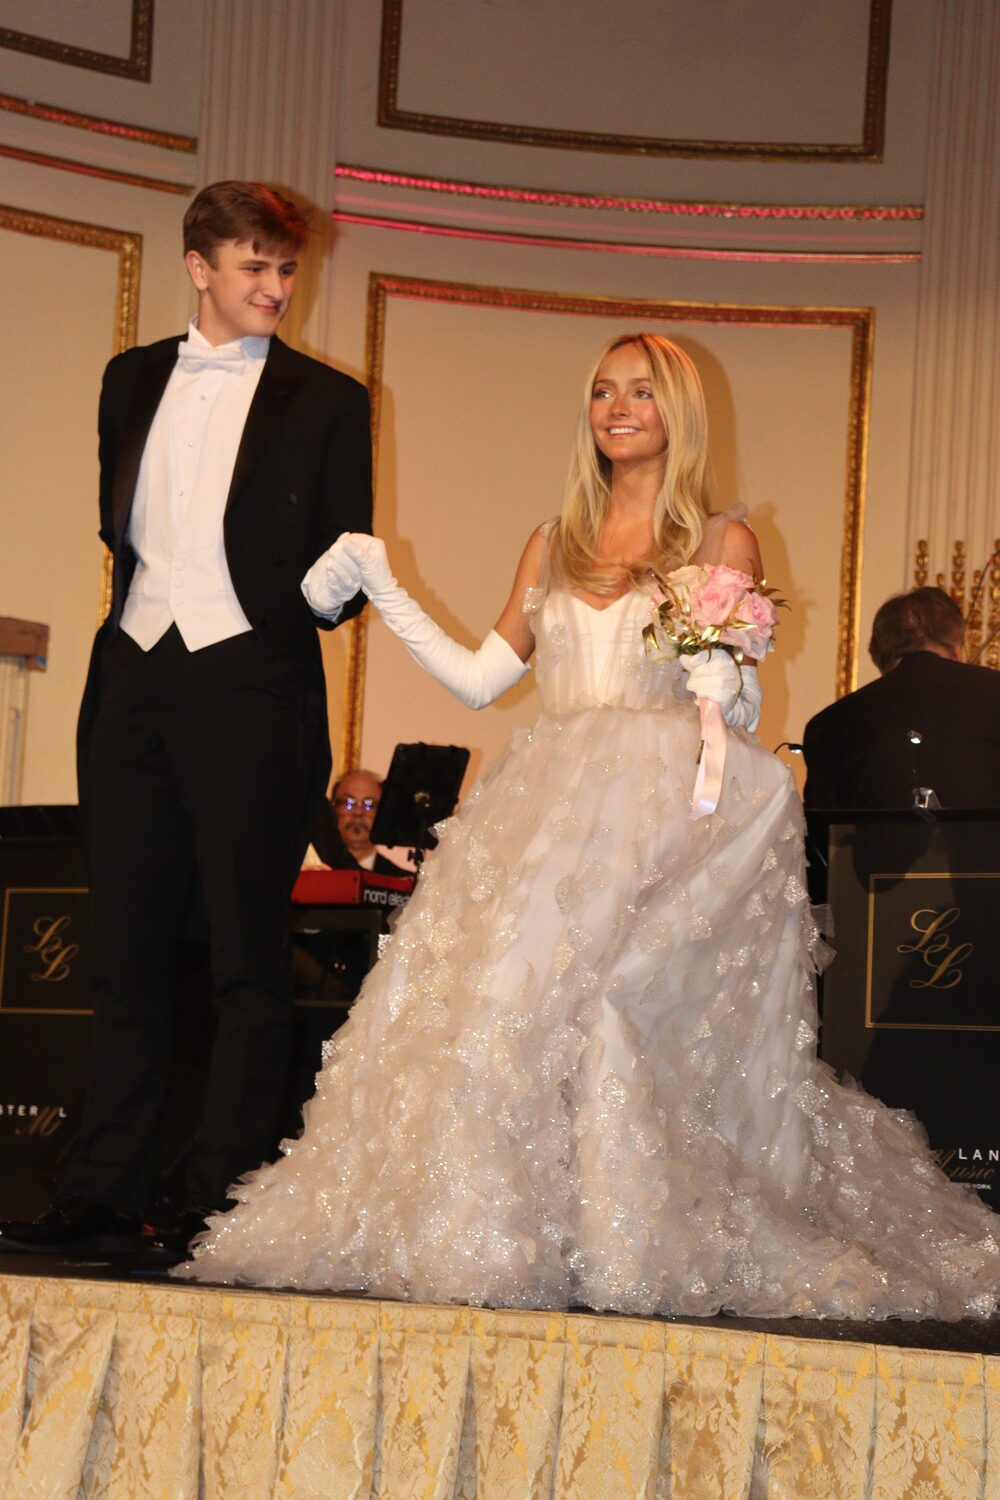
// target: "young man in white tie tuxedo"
[[229, 464]]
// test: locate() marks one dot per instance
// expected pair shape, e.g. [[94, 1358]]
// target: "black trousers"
[[195, 778]]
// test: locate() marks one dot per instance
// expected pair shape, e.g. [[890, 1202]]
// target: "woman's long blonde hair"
[[682, 501]]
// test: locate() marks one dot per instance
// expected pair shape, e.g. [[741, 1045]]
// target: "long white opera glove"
[[715, 675], [333, 579], [476, 677]]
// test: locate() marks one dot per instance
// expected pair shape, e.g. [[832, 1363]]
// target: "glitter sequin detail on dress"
[[584, 1070]]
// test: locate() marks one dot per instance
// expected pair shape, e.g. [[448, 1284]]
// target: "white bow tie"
[[194, 357]]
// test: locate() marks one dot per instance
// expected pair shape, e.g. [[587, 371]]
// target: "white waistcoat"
[[175, 529]]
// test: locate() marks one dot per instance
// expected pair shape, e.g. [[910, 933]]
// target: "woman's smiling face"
[[624, 417]]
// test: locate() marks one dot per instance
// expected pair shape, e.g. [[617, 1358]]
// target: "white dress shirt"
[[175, 528]]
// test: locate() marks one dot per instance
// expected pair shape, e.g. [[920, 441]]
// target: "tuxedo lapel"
[[146, 397], [278, 383]]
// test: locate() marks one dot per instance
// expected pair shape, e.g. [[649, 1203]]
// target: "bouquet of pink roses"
[[702, 606]]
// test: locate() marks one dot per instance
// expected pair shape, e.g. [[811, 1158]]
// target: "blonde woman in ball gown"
[[584, 1071]]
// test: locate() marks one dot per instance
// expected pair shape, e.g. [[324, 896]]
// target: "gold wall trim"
[[852, 539], [83, 169], [861, 320], [127, 246], [53, 115], [869, 149], [137, 65], [685, 207], [624, 247]]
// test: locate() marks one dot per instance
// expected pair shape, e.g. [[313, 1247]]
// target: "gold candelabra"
[[978, 598]]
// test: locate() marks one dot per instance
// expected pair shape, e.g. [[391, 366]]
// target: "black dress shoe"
[[172, 1240], [74, 1224]]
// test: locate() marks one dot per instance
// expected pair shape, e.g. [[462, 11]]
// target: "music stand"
[[421, 788]]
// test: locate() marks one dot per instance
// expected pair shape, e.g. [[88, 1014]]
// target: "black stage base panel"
[[46, 1017], [45, 1014], [911, 1003]]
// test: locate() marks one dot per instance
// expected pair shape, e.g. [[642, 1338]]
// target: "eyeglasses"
[[351, 804]]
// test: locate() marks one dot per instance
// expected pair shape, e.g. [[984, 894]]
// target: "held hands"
[[368, 555], [333, 578], [355, 561], [715, 675]]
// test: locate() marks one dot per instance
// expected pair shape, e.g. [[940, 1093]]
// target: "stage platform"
[[117, 1383]]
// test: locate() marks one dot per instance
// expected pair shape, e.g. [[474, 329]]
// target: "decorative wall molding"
[[868, 149], [137, 65], [86, 169], [623, 247], [549, 198], [53, 115], [383, 287], [127, 246]]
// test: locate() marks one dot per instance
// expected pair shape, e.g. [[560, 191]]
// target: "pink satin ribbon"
[[711, 759]]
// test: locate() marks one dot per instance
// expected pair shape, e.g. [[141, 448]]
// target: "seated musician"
[[332, 964], [342, 838]]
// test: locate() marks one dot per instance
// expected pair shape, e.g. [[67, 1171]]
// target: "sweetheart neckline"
[[600, 609]]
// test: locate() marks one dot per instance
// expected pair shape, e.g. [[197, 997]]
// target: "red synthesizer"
[[350, 888]]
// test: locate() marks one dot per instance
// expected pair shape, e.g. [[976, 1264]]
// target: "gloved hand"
[[333, 579], [715, 675], [476, 677]]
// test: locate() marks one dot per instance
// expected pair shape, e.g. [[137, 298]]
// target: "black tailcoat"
[[204, 771]]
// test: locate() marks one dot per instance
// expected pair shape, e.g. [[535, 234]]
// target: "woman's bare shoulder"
[[729, 539]]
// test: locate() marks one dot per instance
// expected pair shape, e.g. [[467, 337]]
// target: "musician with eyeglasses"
[[330, 964], [343, 835]]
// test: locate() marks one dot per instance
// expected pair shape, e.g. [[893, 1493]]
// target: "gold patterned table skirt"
[[127, 1391]]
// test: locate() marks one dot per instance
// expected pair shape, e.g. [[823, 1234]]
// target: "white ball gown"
[[584, 1071]]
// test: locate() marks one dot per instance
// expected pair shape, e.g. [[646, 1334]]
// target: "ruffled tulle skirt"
[[584, 1071]]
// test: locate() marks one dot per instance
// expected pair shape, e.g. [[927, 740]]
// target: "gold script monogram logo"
[[933, 945], [46, 1122], [54, 952]]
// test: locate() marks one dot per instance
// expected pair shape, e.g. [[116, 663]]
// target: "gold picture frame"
[[870, 148], [127, 246], [138, 64]]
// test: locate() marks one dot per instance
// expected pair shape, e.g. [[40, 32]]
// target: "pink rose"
[[762, 609], [753, 627], [759, 611], [679, 585], [752, 643], [718, 599]]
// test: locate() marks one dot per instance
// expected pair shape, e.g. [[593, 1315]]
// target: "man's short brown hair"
[[917, 621], [247, 212]]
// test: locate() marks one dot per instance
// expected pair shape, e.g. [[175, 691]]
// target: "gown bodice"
[[587, 656]]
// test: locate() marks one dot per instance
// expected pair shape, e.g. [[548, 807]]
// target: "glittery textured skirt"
[[584, 1071]]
